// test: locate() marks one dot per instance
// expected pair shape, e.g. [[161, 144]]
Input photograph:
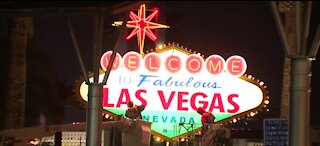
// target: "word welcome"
[[153, 62]]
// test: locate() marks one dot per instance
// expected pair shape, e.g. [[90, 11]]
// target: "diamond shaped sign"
[[173, 82]]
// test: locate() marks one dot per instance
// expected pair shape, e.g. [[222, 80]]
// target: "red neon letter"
[[235, 105], [173, 64], [104, 62], [105, 98], [215, 64], [131, 61], [194, 63], [217, 97], [139, 97], [181, 101], [236, 66], [165, 103], [152, 62], [193, 100], [124, 97]]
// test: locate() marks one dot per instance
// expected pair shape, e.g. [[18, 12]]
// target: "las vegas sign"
[[172, 82]]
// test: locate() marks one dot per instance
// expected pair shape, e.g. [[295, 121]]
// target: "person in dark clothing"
[[134, 111]]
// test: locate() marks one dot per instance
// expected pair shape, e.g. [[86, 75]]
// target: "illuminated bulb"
[[106, 116], [266, 101], [234, 120], [167, 143], [158, 139], [199, 53], [261, 83], [268, 110], [249, 76], [160, 47], [36, 141], [182, 139], [252, 114], [267, 97]]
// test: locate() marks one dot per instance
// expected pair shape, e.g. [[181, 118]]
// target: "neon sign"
[[172, 82], [142, 26]]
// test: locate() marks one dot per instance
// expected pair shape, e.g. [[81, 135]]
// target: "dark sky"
[[209, 27]]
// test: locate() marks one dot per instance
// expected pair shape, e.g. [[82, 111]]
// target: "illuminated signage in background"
[[173, 82]]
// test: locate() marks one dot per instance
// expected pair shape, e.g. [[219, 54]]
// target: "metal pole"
[[306, 25], [280, 28], [299, 102], [114, 52], [315, 44], [94, 115], [95, 93], [298, 29]]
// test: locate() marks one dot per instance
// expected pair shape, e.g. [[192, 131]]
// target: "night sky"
[[224, 28]]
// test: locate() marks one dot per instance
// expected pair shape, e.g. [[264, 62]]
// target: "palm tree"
[[288, 8], [20, 30]]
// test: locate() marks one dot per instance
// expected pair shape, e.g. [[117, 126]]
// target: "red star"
[[142, 26]]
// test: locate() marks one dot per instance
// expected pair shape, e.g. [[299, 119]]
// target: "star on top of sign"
[[142, 26]]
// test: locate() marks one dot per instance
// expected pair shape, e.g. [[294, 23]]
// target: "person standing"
[[207, 120], [134, 111]]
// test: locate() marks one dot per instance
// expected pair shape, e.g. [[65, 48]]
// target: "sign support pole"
[[95, 94], [300, 56], [94, 114], [300, 101]]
